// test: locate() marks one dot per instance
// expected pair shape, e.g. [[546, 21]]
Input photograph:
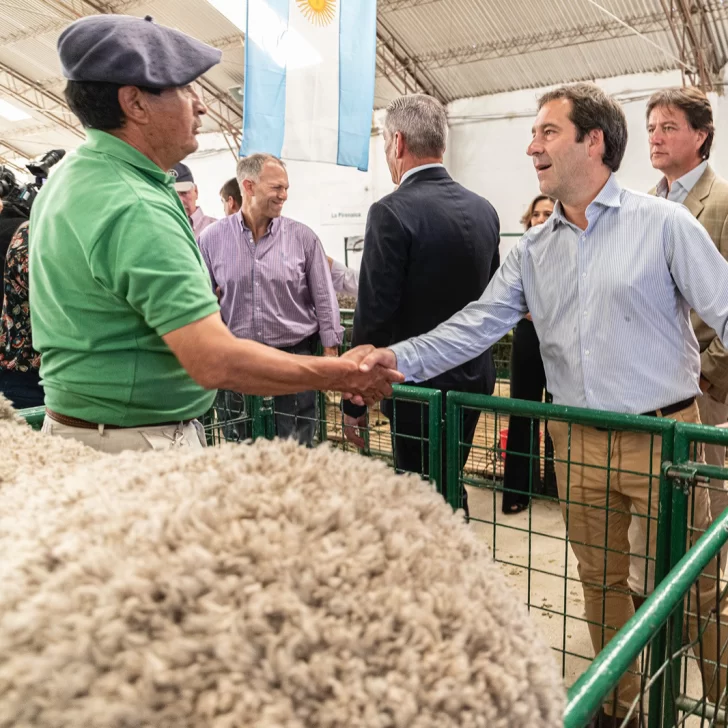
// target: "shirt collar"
[[197, 214], [609, 196], [273, 226], [422, 167], [687, 181], [105, 143]]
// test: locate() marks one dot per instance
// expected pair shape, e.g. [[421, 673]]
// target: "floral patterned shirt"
[[16, 349]]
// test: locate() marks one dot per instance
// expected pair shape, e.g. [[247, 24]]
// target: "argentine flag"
[[309, 79]]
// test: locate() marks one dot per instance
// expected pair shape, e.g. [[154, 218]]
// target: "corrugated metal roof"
[[464, 47], [474, 48], [599, 59]]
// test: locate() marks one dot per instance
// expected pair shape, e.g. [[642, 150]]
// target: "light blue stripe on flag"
[[264, 98], [357, 59]]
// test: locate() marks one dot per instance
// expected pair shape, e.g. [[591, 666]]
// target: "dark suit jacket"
[[430, 248]]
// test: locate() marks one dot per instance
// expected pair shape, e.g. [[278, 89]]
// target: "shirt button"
[[259, 310], [583, 275], [584, 313], [587, 352]]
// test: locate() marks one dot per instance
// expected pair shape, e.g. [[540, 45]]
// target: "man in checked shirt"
[[273, 281]]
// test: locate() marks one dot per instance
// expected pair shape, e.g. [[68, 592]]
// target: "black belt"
[[670, 409], [663, 412]]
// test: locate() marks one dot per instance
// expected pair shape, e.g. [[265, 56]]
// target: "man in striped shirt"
[[609, 280], [273, 281]]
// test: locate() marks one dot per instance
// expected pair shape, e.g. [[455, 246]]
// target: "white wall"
[[486, 153]]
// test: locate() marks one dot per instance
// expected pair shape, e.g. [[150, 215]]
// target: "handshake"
[[367, 374]]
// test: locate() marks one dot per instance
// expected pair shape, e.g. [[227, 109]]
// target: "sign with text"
[[343, 216]]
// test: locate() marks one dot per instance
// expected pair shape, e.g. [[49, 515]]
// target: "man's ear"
[[596, 142], [399, 144], [134, 104]]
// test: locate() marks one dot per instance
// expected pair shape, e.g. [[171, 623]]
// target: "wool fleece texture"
[[259, 585]]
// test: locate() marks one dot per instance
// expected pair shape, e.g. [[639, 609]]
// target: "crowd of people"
[[143, 306]]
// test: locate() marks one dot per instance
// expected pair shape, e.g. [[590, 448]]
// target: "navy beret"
[[132, 52]]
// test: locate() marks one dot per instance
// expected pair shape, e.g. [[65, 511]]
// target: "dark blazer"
[[430, 248]]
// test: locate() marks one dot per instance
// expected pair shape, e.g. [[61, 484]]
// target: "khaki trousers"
[[188, 437], [641, 571], [597, 520]]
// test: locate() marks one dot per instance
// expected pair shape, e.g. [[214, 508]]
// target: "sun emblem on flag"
[[318, 12]]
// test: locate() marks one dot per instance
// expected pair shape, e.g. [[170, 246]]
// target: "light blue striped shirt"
[[610, 305]]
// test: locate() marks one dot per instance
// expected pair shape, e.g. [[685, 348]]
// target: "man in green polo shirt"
[[131, 340]]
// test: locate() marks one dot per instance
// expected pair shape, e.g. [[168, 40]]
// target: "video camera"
[[18, 199]]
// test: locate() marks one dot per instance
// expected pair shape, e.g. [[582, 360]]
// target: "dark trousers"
[[522, 472], [22, 389], [295, 414], [410, 440]]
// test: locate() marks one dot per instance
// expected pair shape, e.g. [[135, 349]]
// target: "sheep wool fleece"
[[260, 585]]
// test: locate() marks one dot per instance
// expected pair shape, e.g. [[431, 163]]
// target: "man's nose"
[[534, 148]]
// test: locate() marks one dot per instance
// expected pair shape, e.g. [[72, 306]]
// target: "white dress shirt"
[[681, 187], [345, 280]]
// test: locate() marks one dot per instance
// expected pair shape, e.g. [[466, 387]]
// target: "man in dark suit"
[[430, 248]]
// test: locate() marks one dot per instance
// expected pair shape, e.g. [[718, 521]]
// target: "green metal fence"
[[236, 418], [696, 637], [533, 546], [682, 625], [34, 416], [660, 615], [676, 674]]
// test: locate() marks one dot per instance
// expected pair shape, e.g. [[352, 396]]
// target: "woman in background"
[[522, 471]]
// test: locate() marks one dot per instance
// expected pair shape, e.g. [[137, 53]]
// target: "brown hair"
[[591, 109], [526, 219], [696, 107], [232, 189]]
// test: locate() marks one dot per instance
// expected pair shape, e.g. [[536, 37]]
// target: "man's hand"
[[367, 358], [331, 351], [354, 428], [704, 384]]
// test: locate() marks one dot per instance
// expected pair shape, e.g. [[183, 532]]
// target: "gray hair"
[[422, 121], [251, 167]]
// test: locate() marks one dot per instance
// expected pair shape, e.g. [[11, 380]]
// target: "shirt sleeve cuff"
[[408, 362], [353, 410], [329, 338]]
